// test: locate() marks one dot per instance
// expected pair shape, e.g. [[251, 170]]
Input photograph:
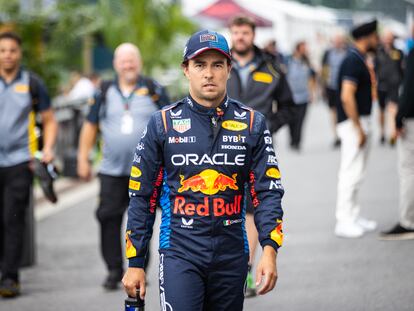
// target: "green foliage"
[[152, 25], [52, 38]]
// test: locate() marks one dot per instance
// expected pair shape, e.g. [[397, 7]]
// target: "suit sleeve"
[[145, 186], [266, 188]]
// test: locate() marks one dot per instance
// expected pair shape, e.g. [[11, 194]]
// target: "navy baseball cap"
[[206, 40]]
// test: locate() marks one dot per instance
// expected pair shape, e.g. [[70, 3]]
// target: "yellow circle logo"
[[273, 173], [234, 125], [135, 172]]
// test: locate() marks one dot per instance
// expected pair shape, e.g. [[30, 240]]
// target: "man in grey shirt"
[[119, 112], [22, 96]]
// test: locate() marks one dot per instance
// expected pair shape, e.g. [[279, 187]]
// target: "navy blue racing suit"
[[195, 162]]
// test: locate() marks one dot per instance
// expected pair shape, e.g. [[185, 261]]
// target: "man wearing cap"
[[353, 111], [194, 161]]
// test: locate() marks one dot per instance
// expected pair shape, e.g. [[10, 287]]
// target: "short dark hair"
[[240, 20], [12, 36]]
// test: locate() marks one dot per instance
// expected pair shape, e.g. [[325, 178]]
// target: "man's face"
[[10, 54], [388, 38], [208, 74], [127, 65], [372, 42], [242, 38]]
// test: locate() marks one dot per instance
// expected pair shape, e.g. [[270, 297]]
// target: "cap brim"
[[200, 51]]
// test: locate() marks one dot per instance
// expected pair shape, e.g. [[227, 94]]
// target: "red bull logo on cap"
[[208, 182]]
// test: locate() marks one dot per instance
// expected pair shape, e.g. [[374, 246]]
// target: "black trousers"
[[15, 188], [113, 201], [296, 124]]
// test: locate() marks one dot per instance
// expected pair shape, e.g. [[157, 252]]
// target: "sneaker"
[[397, 233], [250, 288], [366, 224], [337, 143], [112, 280], [348, 230], [9, 288]]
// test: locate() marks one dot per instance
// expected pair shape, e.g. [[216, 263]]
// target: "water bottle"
[[134, 304]]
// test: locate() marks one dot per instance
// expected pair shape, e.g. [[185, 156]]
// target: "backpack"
[[148, 82]]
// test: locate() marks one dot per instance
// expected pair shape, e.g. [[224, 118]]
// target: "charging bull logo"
[[129, 247], [208, 182]]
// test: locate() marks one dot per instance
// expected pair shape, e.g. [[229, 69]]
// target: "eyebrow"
[[198, 61]]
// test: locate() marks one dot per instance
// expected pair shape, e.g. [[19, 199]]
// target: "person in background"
[[82, 87], [404, 229], [194, 161], [331, 61], [410, 41], [22, 96], [389, 73], [271, 49], [302, 81], [120, 111], [354, 113], [257, 81]]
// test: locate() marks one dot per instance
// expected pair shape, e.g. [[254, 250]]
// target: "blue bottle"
[[134, 304]]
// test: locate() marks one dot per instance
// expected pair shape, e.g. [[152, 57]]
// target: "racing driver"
[[193, 160]]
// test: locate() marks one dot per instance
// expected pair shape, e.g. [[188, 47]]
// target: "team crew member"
[[301, 78], [119, 113], [257, 81], [331, 61], [354, 112], [405, 127], [389, 72], [22, 95], [194, 161]]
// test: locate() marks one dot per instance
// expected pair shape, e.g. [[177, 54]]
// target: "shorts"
[[384, 97]]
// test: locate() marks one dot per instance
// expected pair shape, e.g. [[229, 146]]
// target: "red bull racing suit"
[[194, 162]]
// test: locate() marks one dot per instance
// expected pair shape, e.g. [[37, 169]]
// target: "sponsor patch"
[[233, 147], [182, 126], [182, 140], [142, 91], [208, 182], [215, 159], [21, 88], [240, 116], [234, 139], [275, 184], [234, 125], [134, 185], [141, 146], [277, 234], [268, 140], [231, 222], [176, 114], [273, 173], [187, 224], [263, 77], [137, 158], [129, 248], [217, 206], [272, 160], [208, 37], [135, 172]]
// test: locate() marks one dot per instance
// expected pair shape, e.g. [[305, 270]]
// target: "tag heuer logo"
[[181, 126], [208, 37]]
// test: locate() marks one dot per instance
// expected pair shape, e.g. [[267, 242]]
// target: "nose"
[[208, 73]]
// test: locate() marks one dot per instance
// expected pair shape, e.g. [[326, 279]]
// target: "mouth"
[[209, 85]]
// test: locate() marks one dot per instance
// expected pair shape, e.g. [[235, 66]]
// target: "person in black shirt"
[[389, 72], [404, 230], [353, 111]]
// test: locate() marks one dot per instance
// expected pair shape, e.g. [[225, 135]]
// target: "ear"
[[186, 71]]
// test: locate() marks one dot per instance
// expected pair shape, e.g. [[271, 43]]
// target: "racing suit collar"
[[205, 110]]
